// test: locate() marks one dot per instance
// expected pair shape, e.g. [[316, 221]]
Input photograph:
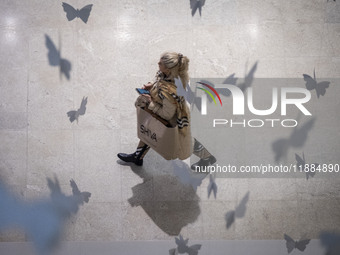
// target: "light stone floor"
[[116, 51]]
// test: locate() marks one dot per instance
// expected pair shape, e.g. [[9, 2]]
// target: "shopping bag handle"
[[163, 121]]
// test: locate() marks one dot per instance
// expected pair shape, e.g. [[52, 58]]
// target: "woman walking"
[[164, 102]]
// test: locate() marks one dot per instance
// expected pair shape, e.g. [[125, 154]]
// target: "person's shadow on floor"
[[168, 202]]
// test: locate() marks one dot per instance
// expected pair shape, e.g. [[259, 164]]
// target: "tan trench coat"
[[167, 107]]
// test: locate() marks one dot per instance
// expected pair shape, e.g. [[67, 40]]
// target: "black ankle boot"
[[130, 158], [204, 162]]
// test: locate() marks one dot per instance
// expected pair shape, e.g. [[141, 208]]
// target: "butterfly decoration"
[[182, 247], [291, 244], [72, 13], [42, 220], [196, 4], [212, 187], [302, 166], [54, 58], [239, 212], [74, 115], [296, 140], [320, 87]]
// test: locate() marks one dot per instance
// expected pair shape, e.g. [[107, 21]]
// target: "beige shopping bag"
[[153, 131]]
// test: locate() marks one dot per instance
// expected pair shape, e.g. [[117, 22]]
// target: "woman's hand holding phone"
[[147, 86]]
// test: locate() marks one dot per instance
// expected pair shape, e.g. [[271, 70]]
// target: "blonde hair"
[[178, 66]]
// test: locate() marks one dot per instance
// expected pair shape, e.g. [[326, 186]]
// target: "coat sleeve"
[[166, 111]]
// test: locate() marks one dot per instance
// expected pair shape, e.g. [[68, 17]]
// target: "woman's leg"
[[137, 156], [142, 149], [206, 159]]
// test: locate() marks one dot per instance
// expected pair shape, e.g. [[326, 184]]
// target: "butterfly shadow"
[[312, 84], [212, 186], [166, 200], [74, 115], [196, 5], [249, 78], [239, 211], [72, 13], [42, 220], [302, 166], [55, 59], [184, 248], [297, 139], [291, 244]]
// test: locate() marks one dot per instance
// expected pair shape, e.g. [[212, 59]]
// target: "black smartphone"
[[143, 91]]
